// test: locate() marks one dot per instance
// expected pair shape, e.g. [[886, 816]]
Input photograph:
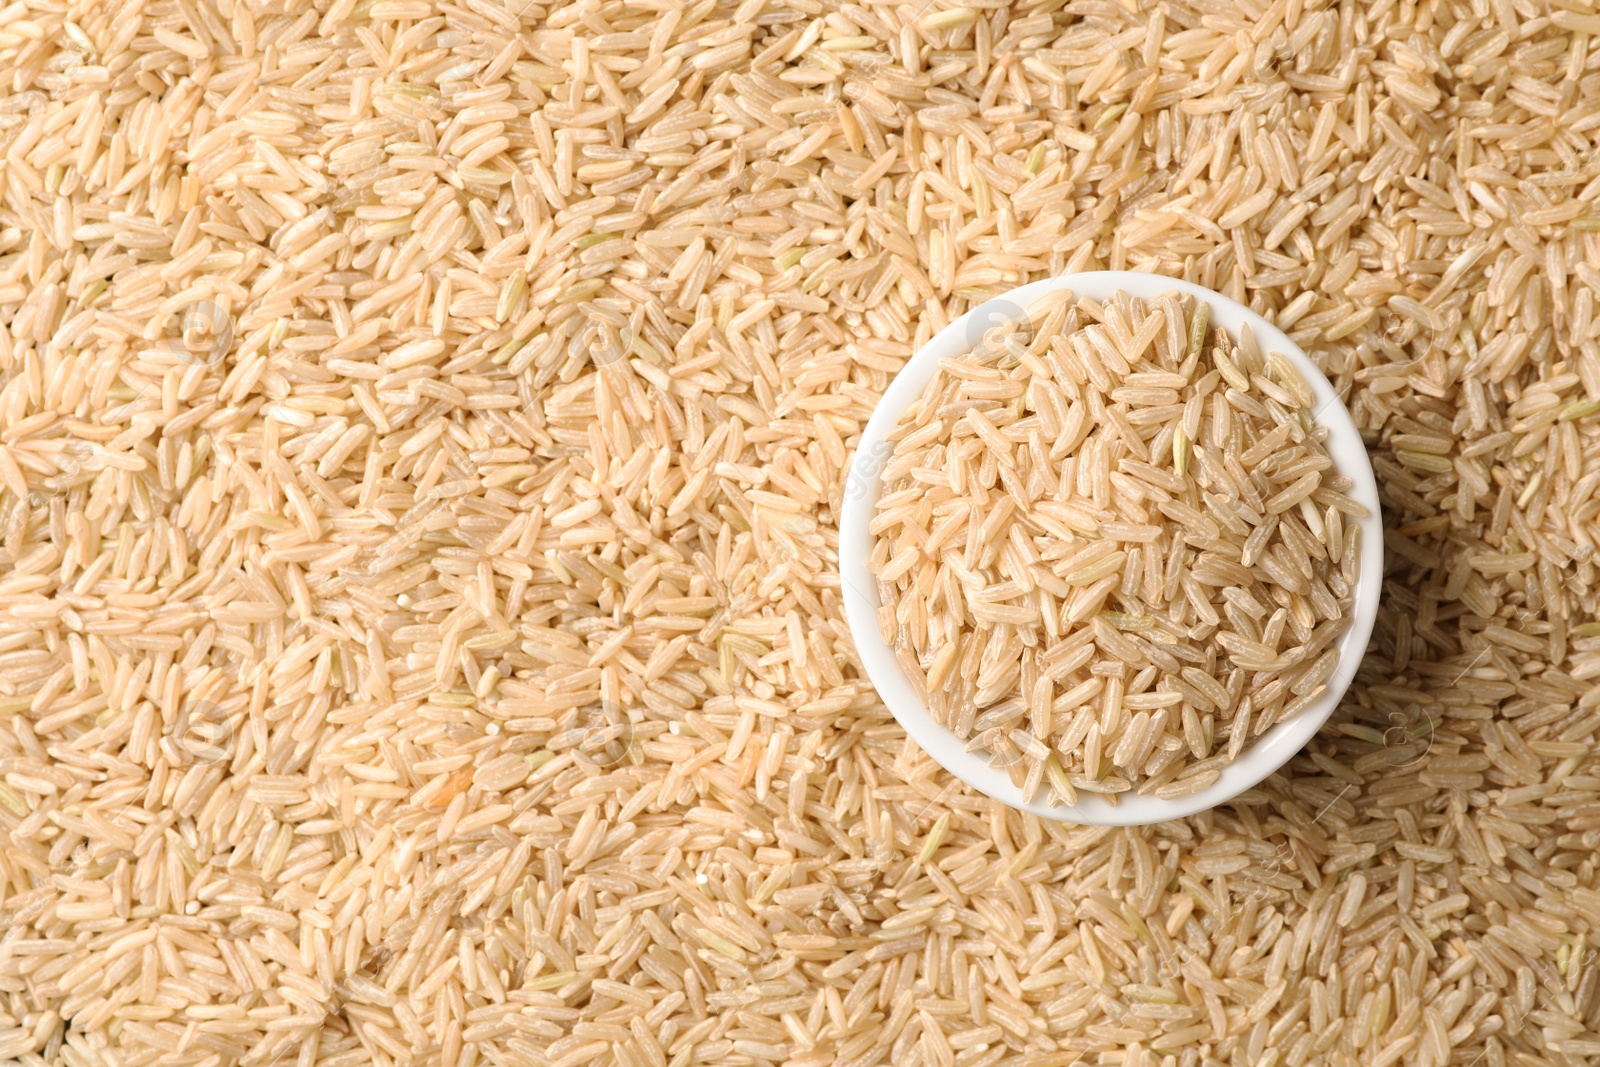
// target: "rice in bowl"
[[1113, 548]]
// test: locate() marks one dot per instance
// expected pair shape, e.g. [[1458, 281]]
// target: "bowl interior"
[[1262, 756]]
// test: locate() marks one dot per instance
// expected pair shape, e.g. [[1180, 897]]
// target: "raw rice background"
[[397, 396]]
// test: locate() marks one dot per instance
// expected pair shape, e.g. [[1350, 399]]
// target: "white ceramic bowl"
[[1262, 756]]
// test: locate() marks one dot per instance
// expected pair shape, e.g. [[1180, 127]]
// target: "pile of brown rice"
[[420, 444], [1111, 547]]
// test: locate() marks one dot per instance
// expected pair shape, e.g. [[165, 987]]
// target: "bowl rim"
[[1263, 756]]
